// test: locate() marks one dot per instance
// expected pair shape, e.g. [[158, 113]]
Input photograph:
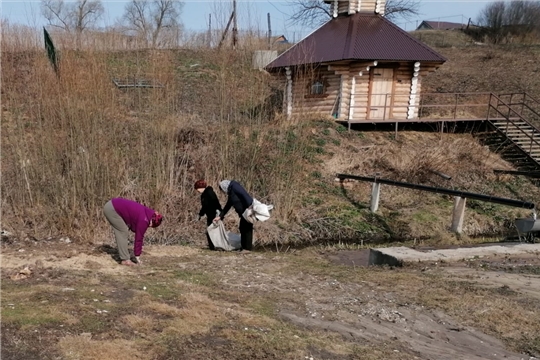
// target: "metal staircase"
[[513, 117]]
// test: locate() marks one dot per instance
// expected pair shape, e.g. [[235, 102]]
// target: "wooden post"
[[375, 194], [351, 99], [269, 33], [458, 214], [209, 30], [225, 31], [288, 94], [442, 128], [235, 27]]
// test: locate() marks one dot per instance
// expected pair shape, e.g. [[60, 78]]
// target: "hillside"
[[72, 141], [77, 141], [477, 67]]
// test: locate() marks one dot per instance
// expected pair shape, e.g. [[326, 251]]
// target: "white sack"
[[222, 239], [257, 212]]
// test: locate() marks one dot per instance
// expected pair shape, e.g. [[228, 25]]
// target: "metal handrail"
[[525, 99], [534, 111], [509, 120], [455, 105], [462, 194]]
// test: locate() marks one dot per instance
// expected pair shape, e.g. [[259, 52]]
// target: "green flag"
[[51, 51]]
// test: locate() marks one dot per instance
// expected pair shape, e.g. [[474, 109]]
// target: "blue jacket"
[[238, 198]]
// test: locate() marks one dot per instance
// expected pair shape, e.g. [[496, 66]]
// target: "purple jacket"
[[137, 217]]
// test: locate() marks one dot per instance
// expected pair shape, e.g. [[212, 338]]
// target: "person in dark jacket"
[[240, 200], [210, 206]]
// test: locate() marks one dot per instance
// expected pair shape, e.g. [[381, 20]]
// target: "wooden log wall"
[[338, 77], [371, 5], [402, 90], [361, 89], [304, 104], [425, 69]]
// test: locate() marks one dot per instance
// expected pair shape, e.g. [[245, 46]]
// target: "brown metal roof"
[[362, 36], [443, 25]]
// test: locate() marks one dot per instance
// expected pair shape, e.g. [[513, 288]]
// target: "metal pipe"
[[444, 176], [462, 194]]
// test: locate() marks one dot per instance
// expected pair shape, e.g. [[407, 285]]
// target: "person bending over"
[[125, 215], [240, 200]]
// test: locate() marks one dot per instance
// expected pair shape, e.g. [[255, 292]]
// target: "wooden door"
[[380, 99]]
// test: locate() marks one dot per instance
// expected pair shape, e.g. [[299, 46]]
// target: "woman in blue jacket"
[[239, 199]]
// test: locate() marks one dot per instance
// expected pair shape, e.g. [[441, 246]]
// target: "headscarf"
[[200, 184], [157, 219], [224, 185]]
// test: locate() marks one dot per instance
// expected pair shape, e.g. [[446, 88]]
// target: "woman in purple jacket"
[[124, 215]]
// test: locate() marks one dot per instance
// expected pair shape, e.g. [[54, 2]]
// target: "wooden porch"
[[444, 107], [427, 107]]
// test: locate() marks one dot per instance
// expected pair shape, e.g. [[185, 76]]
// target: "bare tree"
[[404, 9], [72, 16], [492, 15], [317, 12], [152, 19], [503, 20]]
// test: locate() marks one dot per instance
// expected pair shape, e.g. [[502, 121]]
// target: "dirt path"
[[522, 283], [317, 296], [431, 335]]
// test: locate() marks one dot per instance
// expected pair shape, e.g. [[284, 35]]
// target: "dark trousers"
[[210, 244], [246, 233]]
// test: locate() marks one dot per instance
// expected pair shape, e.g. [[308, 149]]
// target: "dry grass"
[[72, 143], [240, 315], [77, 141], [443, 38], [84, 348]]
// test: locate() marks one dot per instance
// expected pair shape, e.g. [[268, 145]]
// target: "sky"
[[252, 14]]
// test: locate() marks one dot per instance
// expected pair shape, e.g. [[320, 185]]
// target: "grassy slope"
[[187, 303], [326, 211], [408, 214]]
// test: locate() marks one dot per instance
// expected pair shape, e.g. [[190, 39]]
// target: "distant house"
[[440, 25], [358, 67], [280, 40]]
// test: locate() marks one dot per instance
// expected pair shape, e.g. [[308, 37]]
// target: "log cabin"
[[358, 67]]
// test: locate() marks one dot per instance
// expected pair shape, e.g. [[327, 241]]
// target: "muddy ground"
[[65, 301]]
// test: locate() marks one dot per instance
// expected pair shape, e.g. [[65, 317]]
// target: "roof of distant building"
[[442, 25]]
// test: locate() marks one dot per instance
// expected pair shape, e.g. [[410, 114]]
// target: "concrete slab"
[[397, 256]]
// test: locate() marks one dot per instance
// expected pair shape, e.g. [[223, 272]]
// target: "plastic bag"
[[222, 239], [257, 212]]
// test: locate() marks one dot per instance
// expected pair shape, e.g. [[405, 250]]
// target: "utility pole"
[[226, 30], [209, 30], [269, 33], [235, 27]]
